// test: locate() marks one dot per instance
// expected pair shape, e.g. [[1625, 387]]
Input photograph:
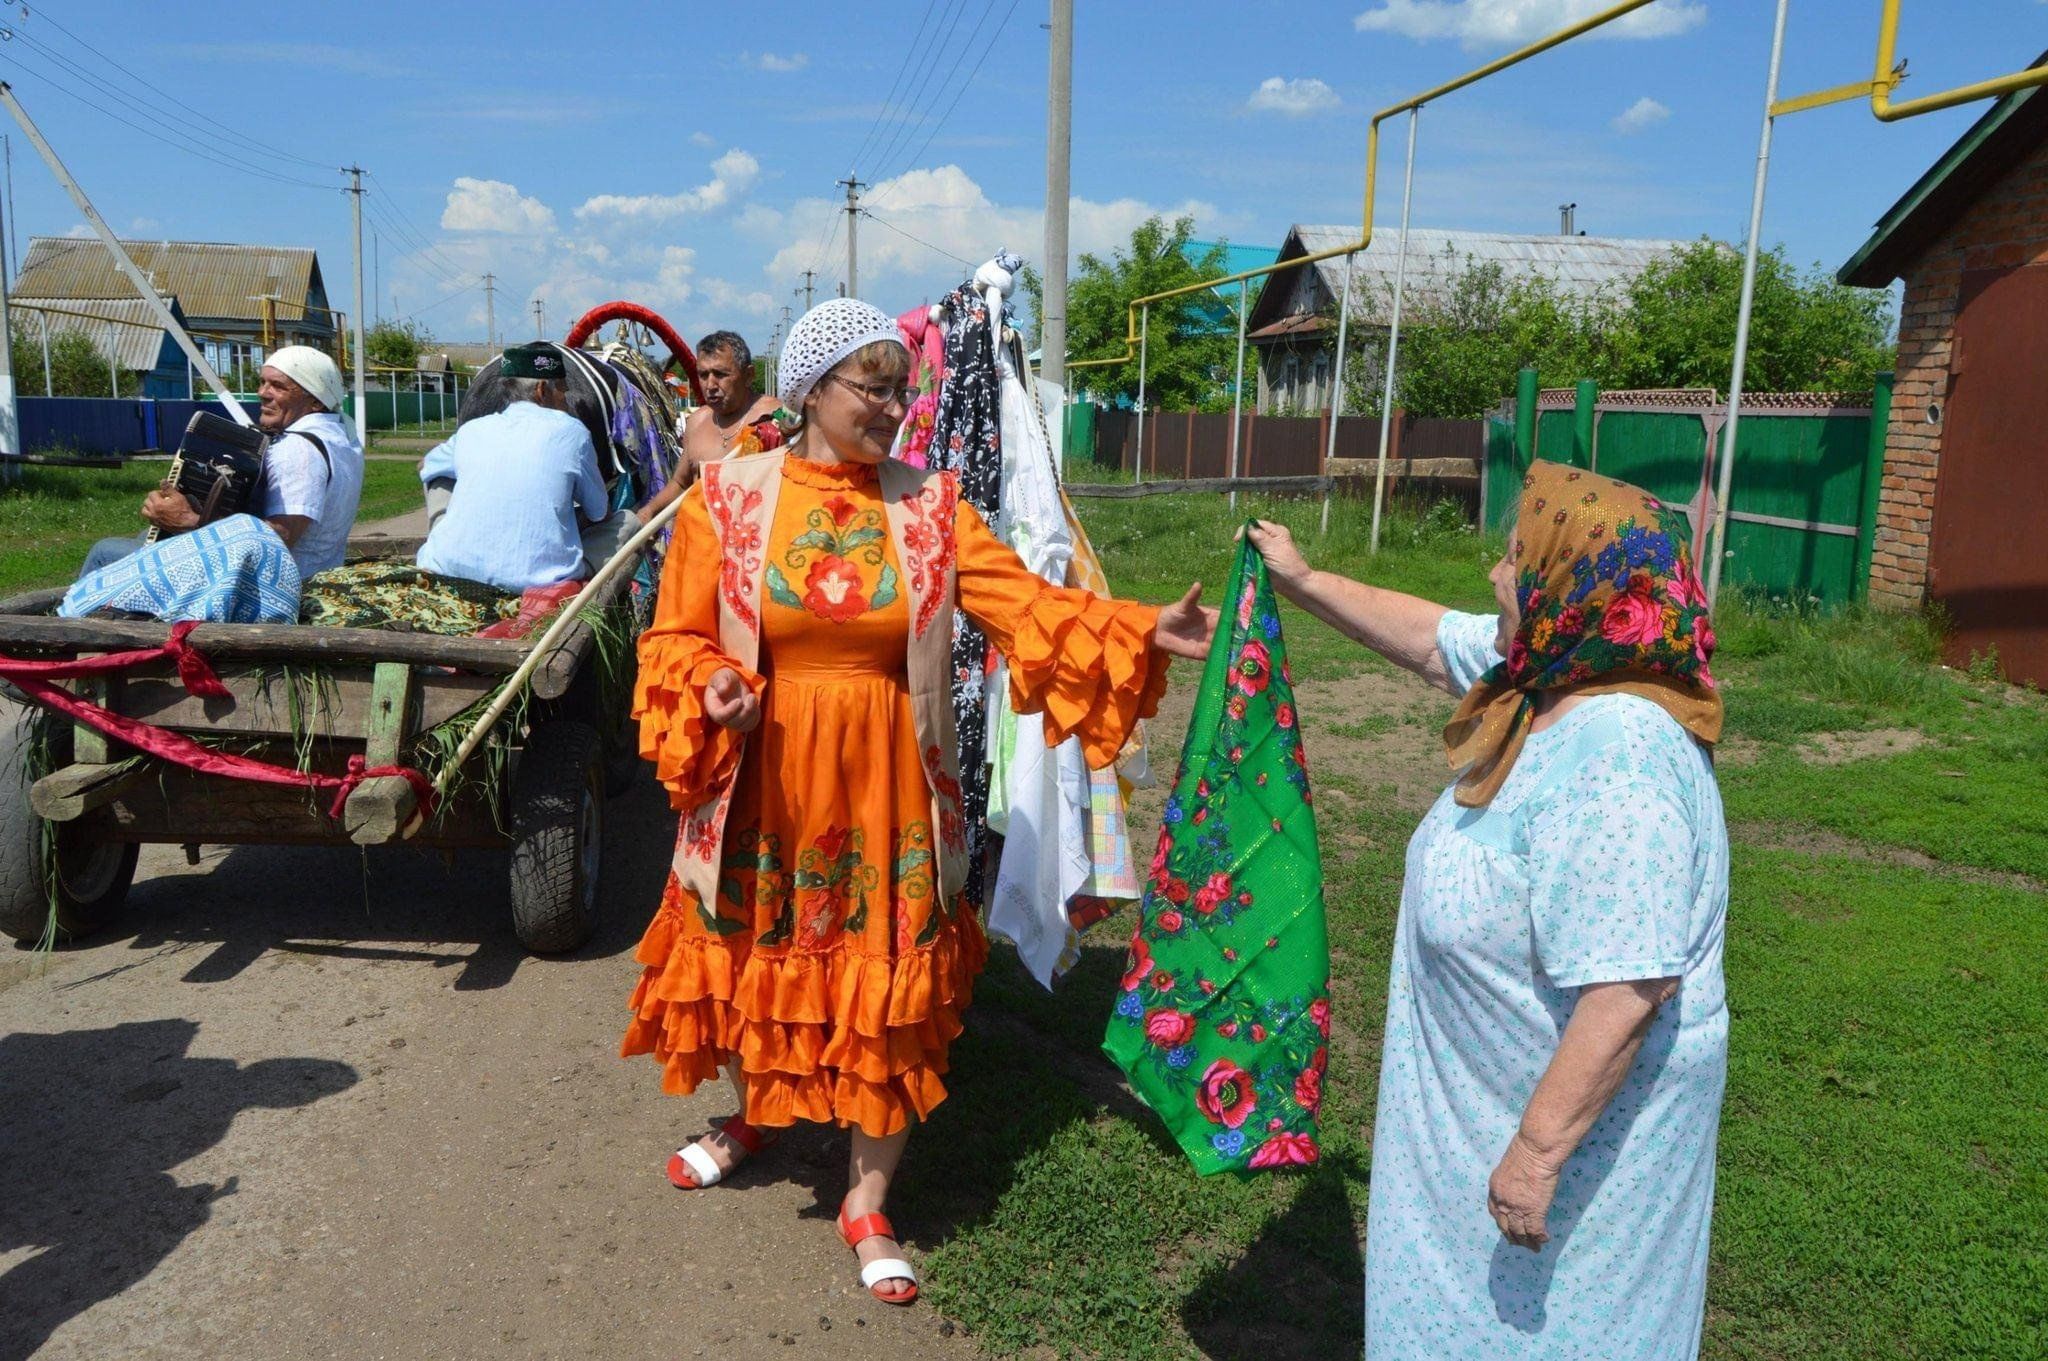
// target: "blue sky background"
[[686, 157]]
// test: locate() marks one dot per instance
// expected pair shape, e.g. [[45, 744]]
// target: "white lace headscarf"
[[822, 337]]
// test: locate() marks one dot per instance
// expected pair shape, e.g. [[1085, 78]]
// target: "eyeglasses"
[[880, 394]]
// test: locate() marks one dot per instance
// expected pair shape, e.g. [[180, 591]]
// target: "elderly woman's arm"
[[1593, 1056], [1401, 628]]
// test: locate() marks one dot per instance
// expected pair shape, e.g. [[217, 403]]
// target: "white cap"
[[311, 370], [825, 335]]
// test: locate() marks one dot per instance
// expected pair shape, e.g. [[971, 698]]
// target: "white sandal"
[[872, 1274]]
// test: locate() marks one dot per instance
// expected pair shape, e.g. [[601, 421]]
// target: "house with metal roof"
[[240, 302], [127, 333], [1964, 490], [1293, 321]]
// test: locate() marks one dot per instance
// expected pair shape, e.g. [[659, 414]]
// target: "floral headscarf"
[[1609, 604]]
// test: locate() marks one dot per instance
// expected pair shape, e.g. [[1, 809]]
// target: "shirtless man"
[[725, 368]]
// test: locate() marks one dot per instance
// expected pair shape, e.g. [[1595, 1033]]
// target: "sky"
[[687, 158]]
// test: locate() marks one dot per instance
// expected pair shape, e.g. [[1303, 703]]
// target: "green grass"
[[1883, 1174], [50, 519]]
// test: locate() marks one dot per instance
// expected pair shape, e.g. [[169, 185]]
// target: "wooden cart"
[[311, 698]]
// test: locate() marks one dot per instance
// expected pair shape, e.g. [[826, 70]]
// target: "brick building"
[[1965, 485]]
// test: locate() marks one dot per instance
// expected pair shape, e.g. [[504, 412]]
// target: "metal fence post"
[[1379, 481], [419, 398], [113, 361], [1337, 389], [1525, 420], [1585, 396], [1144, 341], [1237, 388]]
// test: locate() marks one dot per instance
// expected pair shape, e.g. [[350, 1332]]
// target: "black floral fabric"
[[967, 438]]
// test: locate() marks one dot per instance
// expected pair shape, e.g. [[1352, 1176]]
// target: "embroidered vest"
[[918, 505]]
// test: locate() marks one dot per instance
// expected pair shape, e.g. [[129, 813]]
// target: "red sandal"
[[868, 1226], [692, 1169]]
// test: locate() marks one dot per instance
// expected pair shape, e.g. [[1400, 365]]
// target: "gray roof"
[[138, 334], [213, 280], [1579, 265]]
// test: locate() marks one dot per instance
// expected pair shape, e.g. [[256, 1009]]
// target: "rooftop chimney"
[[1565, 220]]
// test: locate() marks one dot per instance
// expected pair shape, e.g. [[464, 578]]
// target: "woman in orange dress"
[[795, 697]]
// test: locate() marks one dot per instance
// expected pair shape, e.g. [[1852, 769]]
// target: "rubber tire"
[[93, 874], [557, 823]]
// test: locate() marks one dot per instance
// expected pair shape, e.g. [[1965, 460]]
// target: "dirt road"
[[304, 1103]]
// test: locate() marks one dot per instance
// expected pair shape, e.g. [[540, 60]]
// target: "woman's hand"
[[1284, 562], [1519, 1192], [1186, 626], [729, 702]]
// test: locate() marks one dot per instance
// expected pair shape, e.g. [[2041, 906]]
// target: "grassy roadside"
[[1883, 1182], [54, 515]]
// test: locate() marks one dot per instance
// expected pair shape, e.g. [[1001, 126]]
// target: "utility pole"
[[10, 427], [121, 258], [540, 319], [1059, 142], [490, 309], [809, 274], [853, 188], [355, 174], [13, 236], [377, 276]]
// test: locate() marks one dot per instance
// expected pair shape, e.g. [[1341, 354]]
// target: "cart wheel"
[[557, 831], [93, 874]]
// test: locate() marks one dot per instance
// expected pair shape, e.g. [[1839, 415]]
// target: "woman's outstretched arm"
[[1401, 628]]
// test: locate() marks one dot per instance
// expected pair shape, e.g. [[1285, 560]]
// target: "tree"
[[1672, 326], [1806, 334], [78, 368], [1188, 360], [396, 344]]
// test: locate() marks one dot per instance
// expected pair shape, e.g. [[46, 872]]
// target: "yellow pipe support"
[[1372, 157], [1820, 99], [1887, 74]]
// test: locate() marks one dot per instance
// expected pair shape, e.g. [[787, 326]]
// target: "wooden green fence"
[[1803, 507]]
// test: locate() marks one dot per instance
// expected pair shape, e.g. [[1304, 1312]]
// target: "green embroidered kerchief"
[[1223, 1022]]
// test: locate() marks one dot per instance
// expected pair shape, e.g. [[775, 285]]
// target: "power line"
[[392, 204], [429, 258], [966, 82], [200, 137], [438, 302], [243, 137], [889, 101], [884, 222], [203, 153], [939, 62]]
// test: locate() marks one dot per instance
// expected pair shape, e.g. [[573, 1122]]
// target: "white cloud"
[[1294, 98], [1644, 113], [1502, 23], [139, 225], [494, 206], [731, 176], [703, 139], [950, 215], [768, 61]]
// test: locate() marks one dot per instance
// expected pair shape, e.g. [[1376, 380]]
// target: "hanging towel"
[[1223, 1020]]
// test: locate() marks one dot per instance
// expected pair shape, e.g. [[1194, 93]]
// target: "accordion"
[[218, 467]]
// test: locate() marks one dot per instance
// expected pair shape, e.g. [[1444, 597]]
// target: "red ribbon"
[[197, 674]]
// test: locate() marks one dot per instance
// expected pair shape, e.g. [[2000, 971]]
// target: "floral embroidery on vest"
[[928, 543], [739, 535], [838, 538]]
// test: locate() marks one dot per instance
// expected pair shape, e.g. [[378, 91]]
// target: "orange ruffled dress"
[[827, 966]]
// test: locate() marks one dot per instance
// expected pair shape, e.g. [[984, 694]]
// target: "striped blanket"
[[233, 571]]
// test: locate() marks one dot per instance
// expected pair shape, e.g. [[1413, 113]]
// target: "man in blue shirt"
[[526, 483]]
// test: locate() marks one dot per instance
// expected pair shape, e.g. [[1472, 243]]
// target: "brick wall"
[[2007, 226]]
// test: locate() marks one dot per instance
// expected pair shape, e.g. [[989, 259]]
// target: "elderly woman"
[[795, 696], [1556, 1038]]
